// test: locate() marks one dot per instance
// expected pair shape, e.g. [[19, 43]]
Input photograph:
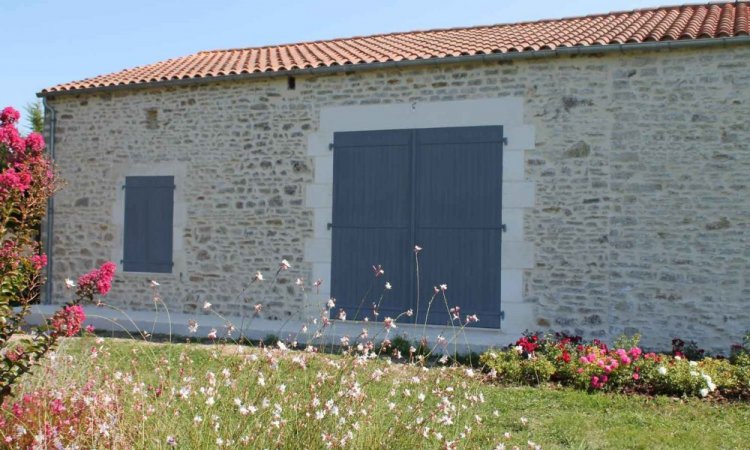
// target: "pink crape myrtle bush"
[[27, 181]]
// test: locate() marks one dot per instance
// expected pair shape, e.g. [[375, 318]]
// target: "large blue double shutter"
[[149, 209], [439, 188]]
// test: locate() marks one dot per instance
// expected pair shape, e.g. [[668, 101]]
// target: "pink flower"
[[14, 179], [89, 329], [598, 382], [34, 143], [212, 334], [636, 376], [68, 320], [98, 279], [378, 270], [9, 115], [635, 352], [10, 138], [284, 265], [39, 261], [389, 323]]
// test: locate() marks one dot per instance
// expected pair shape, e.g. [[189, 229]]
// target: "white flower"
[[518, 349], [258, 276], [284, 265], [693, 363], [709, 382], [443, 287], [388, 285], [704, 392], [662, 370], [192, 326], [331, 303], [299, 282], [417, 249], [212, 333], [524, 421], [197, 419], [69, 284], [206, 305], [389, 323], [154, 284], [171, 441]]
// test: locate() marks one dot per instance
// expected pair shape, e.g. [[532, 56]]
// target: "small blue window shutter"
[[149, 209], [371, 222], [459, 219]]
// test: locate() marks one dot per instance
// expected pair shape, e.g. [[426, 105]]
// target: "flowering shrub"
[[594, 366], [26, 183]]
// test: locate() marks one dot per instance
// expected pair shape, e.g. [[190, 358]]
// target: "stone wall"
[[641, 162]]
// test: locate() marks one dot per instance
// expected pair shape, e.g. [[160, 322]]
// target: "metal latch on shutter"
[[505, 141]]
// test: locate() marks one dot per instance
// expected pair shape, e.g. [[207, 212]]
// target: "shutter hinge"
[[329, 225], [505, 141], [502, 315], [330, 147], [503, 228]]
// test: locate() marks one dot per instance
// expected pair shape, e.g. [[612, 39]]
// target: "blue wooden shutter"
[[149, 205], [372, 204], [459, 219]]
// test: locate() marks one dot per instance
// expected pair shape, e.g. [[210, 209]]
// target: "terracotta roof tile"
[[706, 21]]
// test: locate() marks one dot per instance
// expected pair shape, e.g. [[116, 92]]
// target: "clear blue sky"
[[53, 41]]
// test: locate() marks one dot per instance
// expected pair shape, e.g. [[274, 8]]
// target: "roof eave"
[[491, 57]]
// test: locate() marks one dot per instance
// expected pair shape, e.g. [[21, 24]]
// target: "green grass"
[[557, 418]]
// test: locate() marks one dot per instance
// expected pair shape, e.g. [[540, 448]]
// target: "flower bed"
[[593, 366]]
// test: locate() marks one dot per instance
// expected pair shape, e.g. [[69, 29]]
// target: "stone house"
[[587, 175]]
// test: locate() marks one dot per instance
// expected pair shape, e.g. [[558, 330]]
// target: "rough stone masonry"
[[641, 164]]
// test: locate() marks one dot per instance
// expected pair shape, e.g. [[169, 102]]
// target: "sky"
[[57, 41]]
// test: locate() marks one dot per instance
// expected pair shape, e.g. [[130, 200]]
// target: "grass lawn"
[[127, 394]]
